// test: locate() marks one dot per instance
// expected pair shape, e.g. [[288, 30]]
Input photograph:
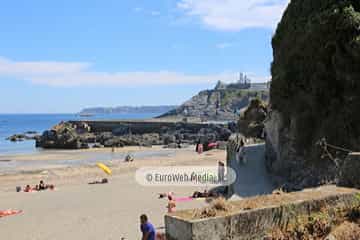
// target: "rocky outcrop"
[[217, 104], [65, 136], [75, 135], [315, 89], [251, 122]]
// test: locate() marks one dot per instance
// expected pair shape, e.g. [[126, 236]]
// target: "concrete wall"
[[253, 224]]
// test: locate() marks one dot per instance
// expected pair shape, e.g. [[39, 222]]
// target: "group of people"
[[39, 187]]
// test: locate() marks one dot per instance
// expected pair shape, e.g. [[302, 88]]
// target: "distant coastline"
[[127, 109]]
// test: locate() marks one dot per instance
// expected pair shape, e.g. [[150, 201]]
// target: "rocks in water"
[[251, 122], [315, 88], [16, 138], [30, 135]]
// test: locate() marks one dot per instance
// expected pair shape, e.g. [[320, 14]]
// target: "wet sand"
[[79, 211]]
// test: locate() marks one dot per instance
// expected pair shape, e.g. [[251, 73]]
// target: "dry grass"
[[218, 207], [347, 231], [278, 198], [340, 224]]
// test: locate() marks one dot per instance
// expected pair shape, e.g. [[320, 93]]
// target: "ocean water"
[[19, 123]]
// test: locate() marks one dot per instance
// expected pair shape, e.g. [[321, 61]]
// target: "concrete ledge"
[[256, 223]]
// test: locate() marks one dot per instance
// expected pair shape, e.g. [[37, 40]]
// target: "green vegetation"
[[316, 74], [229, 95]]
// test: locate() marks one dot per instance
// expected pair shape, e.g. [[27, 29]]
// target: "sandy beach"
[[77, 210]]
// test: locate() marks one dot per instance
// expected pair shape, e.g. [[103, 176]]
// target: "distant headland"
[[127, 109]]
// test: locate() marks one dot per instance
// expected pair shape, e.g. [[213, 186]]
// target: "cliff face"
[[217, 104], [315, 89]]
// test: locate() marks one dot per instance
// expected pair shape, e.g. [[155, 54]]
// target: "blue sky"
[[61, 56]]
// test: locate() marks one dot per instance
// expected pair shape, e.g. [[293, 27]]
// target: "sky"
[[62, 56]]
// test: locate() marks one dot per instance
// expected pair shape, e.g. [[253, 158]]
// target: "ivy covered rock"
[[315, 89]]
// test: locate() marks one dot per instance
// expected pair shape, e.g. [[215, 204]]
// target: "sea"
[[20, 123]]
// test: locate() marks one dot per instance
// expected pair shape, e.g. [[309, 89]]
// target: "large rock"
[[349, 172], [251, 122], [315, 89], [62, 136]]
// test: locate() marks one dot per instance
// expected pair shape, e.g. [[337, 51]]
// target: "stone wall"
[[255, 224]]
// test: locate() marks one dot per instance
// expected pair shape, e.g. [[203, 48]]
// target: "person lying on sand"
[[27, 188], [164, 195], [40, 187], [103, 181], [204, 194]]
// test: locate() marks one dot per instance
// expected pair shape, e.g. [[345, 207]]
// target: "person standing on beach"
[[241, 152], [147, 229], [221, 171]]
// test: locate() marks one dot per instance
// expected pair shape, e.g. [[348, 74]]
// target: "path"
[[252, 178]]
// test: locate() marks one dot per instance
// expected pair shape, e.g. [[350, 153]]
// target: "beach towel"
[[9, 213], [212, 145], [183, 199], [188, 199]]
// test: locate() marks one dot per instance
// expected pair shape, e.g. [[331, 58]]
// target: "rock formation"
[[64, 136], [221, 104], [76, 135], [251, 122], [30, 135], [315, 89]]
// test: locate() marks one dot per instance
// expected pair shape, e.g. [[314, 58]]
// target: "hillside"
[[217, 104]]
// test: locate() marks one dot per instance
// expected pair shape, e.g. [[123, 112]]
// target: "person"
[[205, 194], [147, 229], [221, 171], [164, 195], [27, 188], [241, 152], [42, 185], [171, 204], [197, 146], [103, 181], [200, 148], [129, 158]]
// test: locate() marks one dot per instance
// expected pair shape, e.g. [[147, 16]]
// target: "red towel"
[[9, 212]]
